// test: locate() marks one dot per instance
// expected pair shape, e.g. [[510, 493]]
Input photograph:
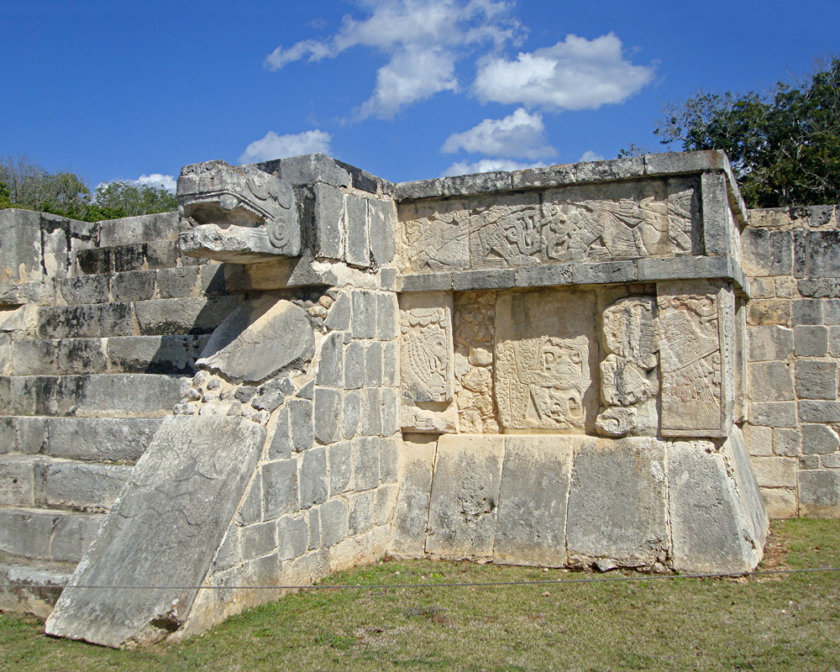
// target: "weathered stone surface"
[[327, 415], [465, 496], [258, 340], [617, 504], [382, 227], [236, 213], [357, 247], [710, 530], [629, 381], [279, 488], [769, 343], [180, 501], [329, 220], [59, 536], [74, 485], [314, 484], [771, 381], [819, 439], [773, 414], [816, 379], [531, 526], [692, 358], [819, 493], [546, 356], [767, 252]]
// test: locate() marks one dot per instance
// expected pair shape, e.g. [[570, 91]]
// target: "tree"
[[784, 147], [134, 199], [25, 184]]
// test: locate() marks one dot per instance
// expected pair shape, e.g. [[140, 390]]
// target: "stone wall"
[[793, 318]]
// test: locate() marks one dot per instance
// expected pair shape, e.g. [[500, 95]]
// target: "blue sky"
[[406, 89]]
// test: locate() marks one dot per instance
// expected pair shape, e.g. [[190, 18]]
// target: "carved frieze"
[[691, 358], [236, 213], [621, 220], [545, 356], [629, 381]]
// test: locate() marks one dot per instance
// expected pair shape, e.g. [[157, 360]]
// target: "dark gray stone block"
[[382, 226], [279, 488], [331, 365], [816, 379], [819, 493], [364, 314], [365, 463], [333, 522], [340, 464], [357, 246], [329, 219], [300, 420], [327, 415]]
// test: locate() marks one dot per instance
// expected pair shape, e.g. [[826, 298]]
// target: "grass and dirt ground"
[[785, 621]]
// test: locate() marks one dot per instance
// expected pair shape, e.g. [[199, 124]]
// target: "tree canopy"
[[25, 184], [784, 146]]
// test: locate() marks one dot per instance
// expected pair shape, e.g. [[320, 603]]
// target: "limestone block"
[[333, 522], [819, 411], [769, 311], [331, 364], [531, 527], [133, 285], [313, 477], [819, 255], [16, 482], [775, 472], [354, 365], [412, 508], [373, 364], [351, 413], [819, 440], [767, 252], [61, 536], [357, 247], [816, 379], [280, 444], [371, 412], [251, 509], [279, 488], [196, 315], [807, 311], [364, 314], [362, 511], [382, 231], [786, 442], [771, 381], [819, 494], [257, 340], [300, 421], [629, 381], [710, 529], [339, 316], [327, 415], [292, 537], [695, 363], [465, 496], [779, 502], [340, 465], [759, 440], [329, 221], [617, 504], [365, 462], [257, 540], [182, 496], [74, 485], [434, 236], [773, 414], [387, 316], [8, 440], [769, 343], [20, 254]]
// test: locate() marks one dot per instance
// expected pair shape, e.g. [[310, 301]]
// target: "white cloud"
[[487, 166], [157, 180], [519, 135], [574, 74], [412, 75], [274, 146], [423, 40], [589, 155]]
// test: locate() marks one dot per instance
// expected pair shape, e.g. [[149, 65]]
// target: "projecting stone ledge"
[[163, 530]]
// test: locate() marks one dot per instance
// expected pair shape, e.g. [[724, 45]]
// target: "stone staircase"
[[89, 380]]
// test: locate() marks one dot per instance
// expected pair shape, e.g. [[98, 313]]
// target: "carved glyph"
[[544, 355], [690, 356], [426, 362], [622, 220], [236, 213], [629, 381], [474, 337]]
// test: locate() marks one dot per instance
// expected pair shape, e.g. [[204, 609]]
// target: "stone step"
[[128, 286], [102, 395], [47, 534], [195, 315], [139, 229], [137, 256], [46, 482], [86, 439], [32, 586], [120, 354]]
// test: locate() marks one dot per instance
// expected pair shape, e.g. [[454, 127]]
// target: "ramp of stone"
[[163, 531]]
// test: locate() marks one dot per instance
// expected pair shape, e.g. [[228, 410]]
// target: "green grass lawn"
[[765, 622]]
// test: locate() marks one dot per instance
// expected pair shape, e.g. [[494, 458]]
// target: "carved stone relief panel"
[[692, 361], [435, 236], [629, 382], [684, 215], [475, 315], [546, 357], [506, 232], [426, 362]]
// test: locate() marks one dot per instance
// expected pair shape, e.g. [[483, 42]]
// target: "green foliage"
[[784, 147], [134, 199], [25, 184]]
